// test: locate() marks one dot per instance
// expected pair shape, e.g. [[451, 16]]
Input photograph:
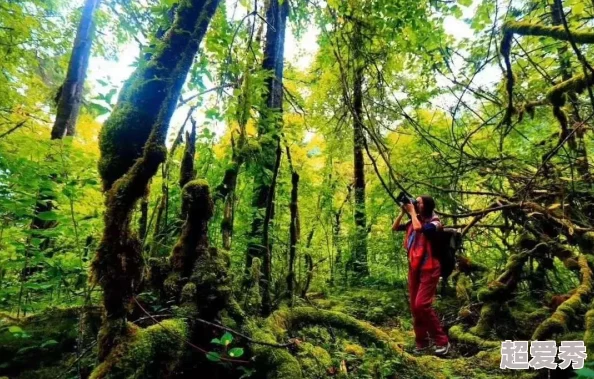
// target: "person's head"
[[425, 206]]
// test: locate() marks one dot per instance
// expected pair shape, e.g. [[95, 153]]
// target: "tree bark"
[[359, 258], [70, 95], [147, 90], [147, 103], [268, 132], [293, 228], [187, 172], [576, 141]]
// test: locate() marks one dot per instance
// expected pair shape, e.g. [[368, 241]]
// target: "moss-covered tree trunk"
[[70, 93], [268, 134], [186, 171], [294, 231], [132, 146], [126, 131], [576, 141]]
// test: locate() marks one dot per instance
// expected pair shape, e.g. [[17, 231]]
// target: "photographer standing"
[[423, 272]]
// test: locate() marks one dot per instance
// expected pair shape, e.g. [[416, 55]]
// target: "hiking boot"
[[420, 350], [442, 350]]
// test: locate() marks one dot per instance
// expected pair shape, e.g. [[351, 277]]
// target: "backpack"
[[444, 245]]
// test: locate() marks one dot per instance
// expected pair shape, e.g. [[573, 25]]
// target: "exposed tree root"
[[145, 353], [458, 334], [294, 318]]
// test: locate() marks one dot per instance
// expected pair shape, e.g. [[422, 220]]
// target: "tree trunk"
[[140, 119], [268, 129], [187, 172], [293, 228], [359, 258], [146, 92], [267, 264], [142, 222], [576, 141], [70, 93]]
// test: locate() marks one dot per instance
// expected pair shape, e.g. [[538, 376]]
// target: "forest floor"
[[325, 350], [388, 310]]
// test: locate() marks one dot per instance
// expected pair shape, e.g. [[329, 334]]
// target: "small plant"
[[228, 353]]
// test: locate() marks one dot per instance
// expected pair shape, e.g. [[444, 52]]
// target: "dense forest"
[[205, 188]]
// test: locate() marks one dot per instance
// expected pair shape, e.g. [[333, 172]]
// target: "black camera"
[[403, 199]]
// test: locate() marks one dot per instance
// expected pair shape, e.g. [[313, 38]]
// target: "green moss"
[[197, 199], [284, 320], [198, 206], [458, 334], [253, 299], [314, 360], [485, 324], [152, 88], [569, 309], [148, 353], [213, 284], [276, 363]]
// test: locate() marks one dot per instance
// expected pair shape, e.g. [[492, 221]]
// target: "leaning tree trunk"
[[141, 118], [70, 93], [268, 129], [147, 90]]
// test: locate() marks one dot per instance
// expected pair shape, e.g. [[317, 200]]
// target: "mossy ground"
[[359, 333]]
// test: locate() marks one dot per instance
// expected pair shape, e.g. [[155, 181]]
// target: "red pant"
[[421, 288]]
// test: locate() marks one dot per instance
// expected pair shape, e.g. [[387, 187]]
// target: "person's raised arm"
[[398, 221], [417, 226]]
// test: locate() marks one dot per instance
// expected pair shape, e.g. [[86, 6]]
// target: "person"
[[423, 273]]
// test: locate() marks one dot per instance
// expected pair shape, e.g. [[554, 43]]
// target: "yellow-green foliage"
[[145, 353], [570, 308]]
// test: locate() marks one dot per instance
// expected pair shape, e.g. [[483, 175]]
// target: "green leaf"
[[585, 373], [47, 216], [216, 341], [226, 339], [236, 352], [49, 343], [465, 3], [213, 356], [15, 329]]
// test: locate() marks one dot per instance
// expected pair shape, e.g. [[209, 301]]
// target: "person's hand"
[[409, 208]]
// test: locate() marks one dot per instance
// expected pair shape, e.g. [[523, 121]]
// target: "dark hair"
[[428, 205]]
